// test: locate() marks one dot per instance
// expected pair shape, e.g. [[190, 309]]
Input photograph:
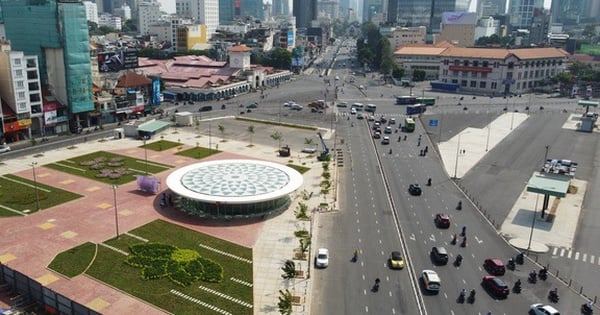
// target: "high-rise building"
[[329, 8], [251, 8], [57, 33], [369, 8], [392, 11], [305, 12], [521, 12], [204, 12], [570, 12], [91, 11], [491, 7], [225, 12], [280, 7], [428, 12], [148, 14]]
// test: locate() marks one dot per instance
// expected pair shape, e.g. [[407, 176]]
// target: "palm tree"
[[251, 131], [285, 302], [277, 136], [289, 270], [222, 130]]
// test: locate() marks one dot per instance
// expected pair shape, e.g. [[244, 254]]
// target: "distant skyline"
[[169, 5]]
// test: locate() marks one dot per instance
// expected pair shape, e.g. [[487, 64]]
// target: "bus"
[[429, 101], [409, 125], [358, 106], [406, 100], [371, 108], [415, 109]]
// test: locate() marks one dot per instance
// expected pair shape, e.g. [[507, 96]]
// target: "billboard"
[[117, 60], [290, 38], [459, 18], [156, 92]]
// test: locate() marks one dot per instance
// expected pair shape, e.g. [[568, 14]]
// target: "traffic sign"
[[433, 122]]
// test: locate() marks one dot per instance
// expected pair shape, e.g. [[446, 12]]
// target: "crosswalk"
[[575, 255]]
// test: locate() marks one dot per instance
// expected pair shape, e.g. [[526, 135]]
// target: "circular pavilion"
[[234, 188]]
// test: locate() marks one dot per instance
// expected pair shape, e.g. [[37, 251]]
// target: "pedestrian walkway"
[[67, 225], [463, 151]]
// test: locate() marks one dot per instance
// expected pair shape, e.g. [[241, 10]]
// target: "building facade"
[[201, 11], [402, 36], [500, 71], [392, 12], [305, 12], [491, 7], [428, 13], [63, 53], [420, 57], [521, 12], [91, 11], [280, 7], [148, 14], [458, 28]]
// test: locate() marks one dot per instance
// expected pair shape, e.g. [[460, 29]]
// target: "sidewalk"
[[465, 150], [272, 240]]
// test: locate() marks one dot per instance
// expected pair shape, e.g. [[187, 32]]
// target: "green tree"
[[285, 302], [289, 270], [277, 136], [419, 75], [222, 130], [130, 26], [589, 31], [251, 131]]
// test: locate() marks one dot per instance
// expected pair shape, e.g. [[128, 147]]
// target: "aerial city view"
[[299, 157]]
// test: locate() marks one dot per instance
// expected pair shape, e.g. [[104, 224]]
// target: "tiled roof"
[[500, 53], [420, 50], [131, 79], [240, 48]]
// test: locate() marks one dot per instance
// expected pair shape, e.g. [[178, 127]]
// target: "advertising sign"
[[118, 60], [156, 92], [290, 38], [459, 18], [50, 117]]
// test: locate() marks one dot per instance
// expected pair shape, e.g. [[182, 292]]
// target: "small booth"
[[119, 133], [588, 119], [184, 119]]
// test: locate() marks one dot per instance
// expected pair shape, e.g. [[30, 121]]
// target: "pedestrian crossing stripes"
[[225, 253], [225, 296], [577, 256], [209, 306]]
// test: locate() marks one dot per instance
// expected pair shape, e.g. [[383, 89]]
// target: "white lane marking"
[[554, 251], [584, 259], [592, 259], [569, 254], [478, 240], [432, 238], [577, 256], [562, 252], [412, 237]]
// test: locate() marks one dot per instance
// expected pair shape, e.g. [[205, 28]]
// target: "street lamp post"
[[487, 142], [532, 223], [146, 155], [457, 152], [114, 187], [37, 193]]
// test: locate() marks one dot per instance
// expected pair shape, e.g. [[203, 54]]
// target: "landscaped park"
[[174, 268]]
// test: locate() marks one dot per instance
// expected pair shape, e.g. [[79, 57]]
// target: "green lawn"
[[116, 169], [18, 196], [161, 145], [198, 152], [276, 123], [109, 267], [300, 169], [75, 260]]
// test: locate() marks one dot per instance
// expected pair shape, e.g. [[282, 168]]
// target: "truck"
[[324, 156], [409, 125]]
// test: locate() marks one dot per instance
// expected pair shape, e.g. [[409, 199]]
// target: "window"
[[19, 73], [20, 84], [482, 85], [485, 63], [519, 76], [455, 73], [473, 84], [466, 63], [473, 74], [496, 64], [446, 62], [537, 73], [454, 81], [547, 72], [511, 65], [463, 83], [21, 95], [475, 63], [456, 62], [445, 72], [17, 62], [484, 75], [464, 74], [494, 85]]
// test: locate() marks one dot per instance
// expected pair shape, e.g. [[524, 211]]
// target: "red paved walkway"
[[34, 240]]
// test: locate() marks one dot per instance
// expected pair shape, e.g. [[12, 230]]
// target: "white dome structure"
[[234, 188]]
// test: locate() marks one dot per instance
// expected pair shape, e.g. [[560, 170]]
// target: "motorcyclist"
[[543, 273], [464, 230], [511, 263], [472, 294], [463, 292], [532, 276], [429, 181], [355, 257], [376, 286], [464, 241], [459, 258], [454, 238], [459, 206], [390, 150]]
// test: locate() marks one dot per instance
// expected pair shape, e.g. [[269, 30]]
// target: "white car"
[[322, 258], [342, 104], [541, 309], [296, 107], [309, 150], [431, 280], [353, 111], [386, 140], [4, 148]]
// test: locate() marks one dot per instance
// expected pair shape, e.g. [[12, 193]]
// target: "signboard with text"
[[118, 60]]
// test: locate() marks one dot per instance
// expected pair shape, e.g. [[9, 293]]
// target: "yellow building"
[[189, 36]]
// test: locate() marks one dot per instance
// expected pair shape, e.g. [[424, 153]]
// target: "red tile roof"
[[240, 48], [131, 79]]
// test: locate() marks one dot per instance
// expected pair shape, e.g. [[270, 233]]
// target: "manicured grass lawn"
[[161, 145], [198, 152], [119, 169], [75, 260], [300, 169], [18, 193], [109, 267], [276, 123]]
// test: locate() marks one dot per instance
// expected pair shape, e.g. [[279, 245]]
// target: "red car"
[[494, 266], [495, 286], [442, 220]]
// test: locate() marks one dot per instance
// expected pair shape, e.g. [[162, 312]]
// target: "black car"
[[206, 108], [439, 255], [414, 189]]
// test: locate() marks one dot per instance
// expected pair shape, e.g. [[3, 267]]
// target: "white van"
[[358, 106], [353, 111]]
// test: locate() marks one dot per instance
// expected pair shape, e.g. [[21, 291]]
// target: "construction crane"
[[324, 156]]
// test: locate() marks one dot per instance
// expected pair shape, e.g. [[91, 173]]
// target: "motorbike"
[[543, 274], [376, 285], [520, 258], [532, 277], [429, 182], [464, 242], [454, 239], [511, 264], [461, 296], [471, 298], [458, 260], [553, 296], [517, 287], [459, 206], [586, 309]]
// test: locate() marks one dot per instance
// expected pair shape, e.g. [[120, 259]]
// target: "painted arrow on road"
[[412, 237], [478, 241], [432, 238]]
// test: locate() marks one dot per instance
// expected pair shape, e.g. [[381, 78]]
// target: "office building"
[[280, 7], [305, 12], [490, 7], [521, 12], [201, 11], [570, 12], [91, 11], [243, 8], [392, 11], [371, 7], [329, 9], [225, 12], [428, 13], [148, 14], [63, 54]]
